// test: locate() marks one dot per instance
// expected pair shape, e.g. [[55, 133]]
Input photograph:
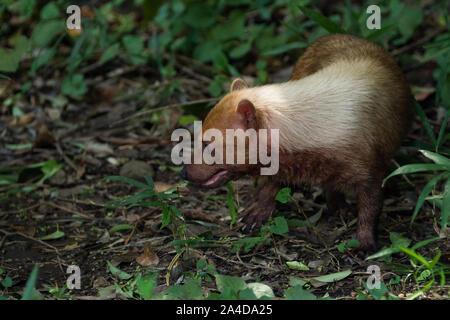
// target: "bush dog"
[[341, 117]]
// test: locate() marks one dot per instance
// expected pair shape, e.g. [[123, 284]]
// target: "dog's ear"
[[238, 84], [247, 113]]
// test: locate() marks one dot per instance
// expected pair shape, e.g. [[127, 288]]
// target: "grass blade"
[[31, 283], [419, 167], [445, 205], [424, 243], [436, 157], [425, 192], [416, 256], [442, 130], [423, 118], [321, 20], [374, 35]]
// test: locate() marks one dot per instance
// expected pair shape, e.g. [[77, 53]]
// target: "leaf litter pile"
[[62, 202]]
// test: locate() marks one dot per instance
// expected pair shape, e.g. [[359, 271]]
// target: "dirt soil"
[[72, 201]]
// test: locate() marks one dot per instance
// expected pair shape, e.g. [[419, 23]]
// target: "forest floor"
[[93, 138]]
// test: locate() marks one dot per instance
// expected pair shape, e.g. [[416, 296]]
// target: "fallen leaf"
[[100, 149], [162, 186], [44, 138], [148, 258], [22, 120]]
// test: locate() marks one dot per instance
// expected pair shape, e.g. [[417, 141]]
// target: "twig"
[[418, 43], [20, 210], [403, 175], [6, 233], [54, 205], [175, 105], [66, 159]]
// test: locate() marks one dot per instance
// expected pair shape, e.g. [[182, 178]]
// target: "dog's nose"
[[183, 174]]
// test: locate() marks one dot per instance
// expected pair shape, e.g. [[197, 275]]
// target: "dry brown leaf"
[[148, 258], [44, 137], [22, 120], [162, 186]]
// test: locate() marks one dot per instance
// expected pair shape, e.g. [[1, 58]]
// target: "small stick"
[[6, 233], [175, 105], [54, 205]]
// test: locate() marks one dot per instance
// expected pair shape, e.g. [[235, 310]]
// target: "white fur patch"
[[329, 108]]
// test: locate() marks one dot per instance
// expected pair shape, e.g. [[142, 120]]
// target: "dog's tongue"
[[215, 178]]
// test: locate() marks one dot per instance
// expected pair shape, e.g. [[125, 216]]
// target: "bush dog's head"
[[232, 112]]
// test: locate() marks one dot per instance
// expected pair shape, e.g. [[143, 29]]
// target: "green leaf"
[[120, 227], [333, 277], [18, 146], [241, 50], [50, 11], [117, 272], [445, 205], [284, 195], [426, 191], [436, 157], [424, 243], [49, 168], [234, 29], [382, 253], [189, 291], [184, 120], [294, 281], [321, 20], [7, 282], [28, 292], [261, 290], [423, 118], [42, 60], [416, 256], [9, 62], [435, 260], [374, 35], [200, 16], [297, 265], [412, 168], [377, 294], [26, 8], [308, 223], [249, 242], [398, 240], [410, 18], [45, 31], [53, 236], [441, 137], [421, 291], [74, 86], [133, 44], [235, 284], [280, 226], [109, 53], [298, 293], [353, 243], [21, 45], [284, 48]]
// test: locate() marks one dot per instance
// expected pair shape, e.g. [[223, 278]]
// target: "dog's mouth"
[[217, 179]]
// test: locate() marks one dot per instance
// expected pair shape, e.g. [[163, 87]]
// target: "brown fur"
[[356, 168]]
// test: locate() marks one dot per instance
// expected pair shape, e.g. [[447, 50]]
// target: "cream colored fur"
[[330, 108]]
